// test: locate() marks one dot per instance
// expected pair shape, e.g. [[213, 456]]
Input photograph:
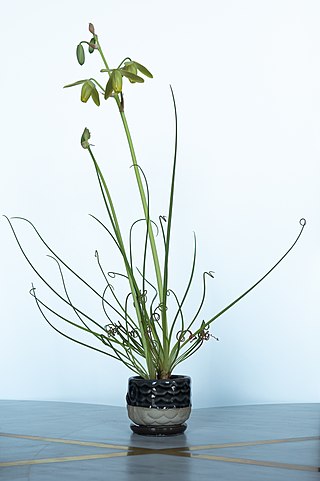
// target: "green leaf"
[[86, 90], [79, 82], [131, 76], [109, 89], [143, 70], [80, 54], [85, 138], [116, 81], [92, 42], [95, 96]]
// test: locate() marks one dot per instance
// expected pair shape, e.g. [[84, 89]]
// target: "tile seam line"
[[254, 443], [256, 462], [88, 457], [64, 441]]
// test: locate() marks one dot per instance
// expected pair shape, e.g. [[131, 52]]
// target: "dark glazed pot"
[[159, 407]]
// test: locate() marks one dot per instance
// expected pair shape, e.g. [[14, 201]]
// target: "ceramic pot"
[[159, 407]]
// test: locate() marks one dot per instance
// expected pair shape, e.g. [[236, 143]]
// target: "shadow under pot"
[[159, 407]]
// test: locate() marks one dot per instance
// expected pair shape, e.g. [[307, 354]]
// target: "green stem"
[[96, 81], [132, 282], [143, 199], [144, 203], [166, 341]]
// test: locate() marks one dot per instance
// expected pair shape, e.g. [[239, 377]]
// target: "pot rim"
[[171, 379]]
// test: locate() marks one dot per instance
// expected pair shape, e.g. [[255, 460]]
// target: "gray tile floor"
[[46, 441]]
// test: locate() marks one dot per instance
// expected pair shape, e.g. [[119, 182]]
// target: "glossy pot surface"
[[159, 393]]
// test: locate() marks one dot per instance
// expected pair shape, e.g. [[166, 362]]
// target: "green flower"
[[89, 90]]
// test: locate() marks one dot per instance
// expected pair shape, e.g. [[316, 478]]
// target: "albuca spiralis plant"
[[140, 331]]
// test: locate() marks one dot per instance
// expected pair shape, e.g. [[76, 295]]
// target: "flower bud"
[[91, 29], [92, 45], [85, 138], [80, 54]]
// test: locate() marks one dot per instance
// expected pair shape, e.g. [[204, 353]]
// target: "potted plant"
[[140, 330]]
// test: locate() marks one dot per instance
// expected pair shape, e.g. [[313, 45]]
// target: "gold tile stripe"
[[183, 451], [185, 448], [269, 464], [62, 460], [253, 443], [64, 441]]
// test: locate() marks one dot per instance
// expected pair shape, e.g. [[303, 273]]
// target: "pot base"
[[170, 430]]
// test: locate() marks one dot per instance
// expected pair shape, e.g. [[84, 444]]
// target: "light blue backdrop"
[[247, 81]]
